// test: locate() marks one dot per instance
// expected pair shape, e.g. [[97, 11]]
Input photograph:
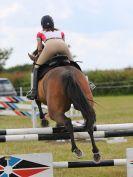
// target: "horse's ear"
[[33, 58]]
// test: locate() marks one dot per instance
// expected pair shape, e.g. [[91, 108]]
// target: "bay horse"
[[58, 89]]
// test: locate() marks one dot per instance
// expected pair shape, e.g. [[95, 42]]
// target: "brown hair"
[[51, 29]]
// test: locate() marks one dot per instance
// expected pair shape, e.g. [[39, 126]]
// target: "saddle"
[[56, 61]]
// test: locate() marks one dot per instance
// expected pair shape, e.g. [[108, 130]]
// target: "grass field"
[[117, 109]]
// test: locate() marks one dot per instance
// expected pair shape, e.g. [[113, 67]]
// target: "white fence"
[[103, 85]]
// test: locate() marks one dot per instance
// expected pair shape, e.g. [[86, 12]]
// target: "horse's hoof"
[[44, 123], [96, 157], [78, 153]]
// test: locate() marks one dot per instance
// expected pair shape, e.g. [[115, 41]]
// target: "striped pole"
[[114, 127], [63, 136], [50, 130], [13, 99], [15, 113], [106, 127], [81, 164]]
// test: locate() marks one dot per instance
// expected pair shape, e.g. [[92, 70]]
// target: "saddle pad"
[[56, 62]]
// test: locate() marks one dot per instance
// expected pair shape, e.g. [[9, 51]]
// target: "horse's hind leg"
[[60, 118], [96, 154], [68, 125]]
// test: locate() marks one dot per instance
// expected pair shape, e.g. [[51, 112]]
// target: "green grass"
[[117, 109]]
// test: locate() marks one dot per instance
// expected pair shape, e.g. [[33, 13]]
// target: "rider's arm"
[[39, 45], [63, 35], [39, 42]]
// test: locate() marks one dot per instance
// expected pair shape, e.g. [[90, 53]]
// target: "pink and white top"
[[44, 36]]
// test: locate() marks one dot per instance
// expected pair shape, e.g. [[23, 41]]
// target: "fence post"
[[34, 118], [21, 91]]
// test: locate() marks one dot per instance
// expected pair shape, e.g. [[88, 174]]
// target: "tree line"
[[108, 82]]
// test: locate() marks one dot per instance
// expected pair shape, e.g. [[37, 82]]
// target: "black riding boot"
[[33, 93]]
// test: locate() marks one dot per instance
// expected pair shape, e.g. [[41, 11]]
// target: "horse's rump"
[[52, 87]]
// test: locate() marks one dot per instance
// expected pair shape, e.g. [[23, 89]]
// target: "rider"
[[54, 43]]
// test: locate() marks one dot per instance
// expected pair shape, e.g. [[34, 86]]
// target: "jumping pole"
[[50, 130], [63, 136]]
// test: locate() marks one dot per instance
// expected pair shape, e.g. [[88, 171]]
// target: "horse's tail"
[[74, 92]]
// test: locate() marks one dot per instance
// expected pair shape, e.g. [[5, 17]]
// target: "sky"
[[100, 32]]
